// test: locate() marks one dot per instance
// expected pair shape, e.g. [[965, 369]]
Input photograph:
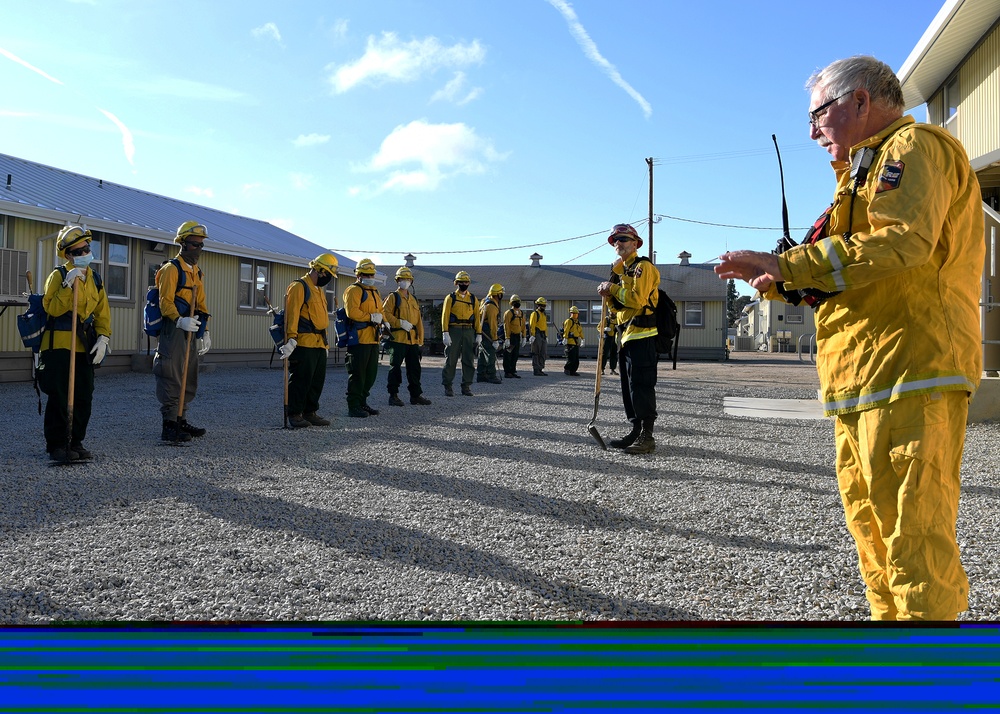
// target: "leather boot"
[[645, 444], [172, 432], [629, 438]]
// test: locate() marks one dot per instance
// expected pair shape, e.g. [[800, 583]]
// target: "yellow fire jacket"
[[636, 296], [299, 314], [489, 313], [538, 322], [572, 332], [460, 311], [409, 310], [193, 292], [360, 303], [58, 301], [909, 262], [513, 322]]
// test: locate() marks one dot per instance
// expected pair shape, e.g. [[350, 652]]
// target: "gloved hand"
[[287, 348], [496, 344], [506, 344], [377, 317], [406, 325], [530, 340], [206, 345], [102, 348], [189, 324], [479, 340], [582, 343], [446, 337], [72, 275]]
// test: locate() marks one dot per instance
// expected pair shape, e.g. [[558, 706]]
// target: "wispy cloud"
[[387, 59], [200, 191], [454, 91], [14, 58], [299, 181], [305, 140], [338, 30], [419, 156], [594, 55], [188, 89], [268, 29]]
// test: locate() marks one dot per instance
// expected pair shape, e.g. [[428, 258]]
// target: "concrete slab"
[[985, 405], [772, 408]]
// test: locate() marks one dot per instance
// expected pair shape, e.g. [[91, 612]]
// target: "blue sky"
[[381, 127]]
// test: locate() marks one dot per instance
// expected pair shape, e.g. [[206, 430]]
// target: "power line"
[[478, 250], [724, 225]]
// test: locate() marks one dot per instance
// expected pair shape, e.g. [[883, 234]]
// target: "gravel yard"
[[497, 507]]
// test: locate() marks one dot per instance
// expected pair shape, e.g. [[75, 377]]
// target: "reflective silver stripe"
[[899, 390], [838, 267]]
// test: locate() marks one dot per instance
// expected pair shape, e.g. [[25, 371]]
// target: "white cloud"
[[268, 29], [188, 89], [454, 90], [300, 182], [128, 144], [387, 59], [594, 55], [304, 140], [439, 151], [339, 29], [14, 58], [199, 191]]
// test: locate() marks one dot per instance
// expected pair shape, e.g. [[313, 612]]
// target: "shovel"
[[591, 427], [71, 395]]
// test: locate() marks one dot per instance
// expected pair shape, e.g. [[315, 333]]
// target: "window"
[[587, 314], [694, 314], [250, 297], [951, 99], [111, 260], [794, 314]]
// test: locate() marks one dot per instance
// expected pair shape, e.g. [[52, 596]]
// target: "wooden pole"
[[649, 161], [71, 395]]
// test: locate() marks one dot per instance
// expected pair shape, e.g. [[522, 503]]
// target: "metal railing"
[[812, 346]]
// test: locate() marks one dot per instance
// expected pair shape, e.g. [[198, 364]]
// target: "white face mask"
[[368, 281], [82, 261], [404, 284]]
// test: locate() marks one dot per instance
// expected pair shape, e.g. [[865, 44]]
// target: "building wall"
[[979, 88]]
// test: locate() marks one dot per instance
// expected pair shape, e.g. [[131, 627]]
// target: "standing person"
[[893, 272], [401, 311], [573, 338], [460, 329], [514, 330], [609, 352], [307, 318], [184, 332], [363, 304], [634, 291], [489, 312], [538, 326], [93, 317]]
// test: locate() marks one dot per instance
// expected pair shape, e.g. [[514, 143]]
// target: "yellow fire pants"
[[898, 472]]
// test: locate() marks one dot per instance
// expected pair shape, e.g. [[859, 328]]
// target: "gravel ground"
[[497, 507]]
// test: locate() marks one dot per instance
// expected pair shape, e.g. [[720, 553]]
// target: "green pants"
[[362, 369], [400, 352], [306, 377], [486, 368], [463, 344], [572, 359], [168, 368], [53, 380]]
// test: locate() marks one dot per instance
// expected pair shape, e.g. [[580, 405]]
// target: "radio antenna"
[[786, 241]]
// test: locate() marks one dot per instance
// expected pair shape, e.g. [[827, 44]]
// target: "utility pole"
[[649, 161]]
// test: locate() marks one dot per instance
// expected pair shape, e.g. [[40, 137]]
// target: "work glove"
[[102, 348], [287, 348], [206, 345], [530, 340], [496, 344], [377, 317], [406, 325], [446, 337], [506, 344], [582, 342], [479, 340], [188, 324], [71, 276]]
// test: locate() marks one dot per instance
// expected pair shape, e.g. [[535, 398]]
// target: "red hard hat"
[[624, 229]]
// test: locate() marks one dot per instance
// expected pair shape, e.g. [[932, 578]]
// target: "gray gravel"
[[497, 507]]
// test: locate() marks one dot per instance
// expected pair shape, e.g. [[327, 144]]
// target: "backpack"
[[35, 321], [152, 318], [346, 328], [277, 328]]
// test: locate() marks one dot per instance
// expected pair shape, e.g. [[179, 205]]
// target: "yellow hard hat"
[[462, 277], [496, 289], [515, 298], [365, 266], [70, 236], [541, 301], [574, 309], [327, 262], [190, 229], [404, 273]]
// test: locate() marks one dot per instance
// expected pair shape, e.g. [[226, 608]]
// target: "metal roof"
[[954, 32], [560, 282], [36, 191]]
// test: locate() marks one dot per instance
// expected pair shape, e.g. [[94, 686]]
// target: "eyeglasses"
[[623, 239], [194, 244], [79, 251], [816, 114]]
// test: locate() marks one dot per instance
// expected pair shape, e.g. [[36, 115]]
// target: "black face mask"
[[323, 279], [516, 304], [462, 288]]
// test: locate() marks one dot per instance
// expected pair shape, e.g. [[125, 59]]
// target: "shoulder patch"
[[891, 176], [638, 272]]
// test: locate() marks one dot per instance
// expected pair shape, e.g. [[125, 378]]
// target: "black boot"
[[645, 444], [629, 438], [191, 429], [172, 432]]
